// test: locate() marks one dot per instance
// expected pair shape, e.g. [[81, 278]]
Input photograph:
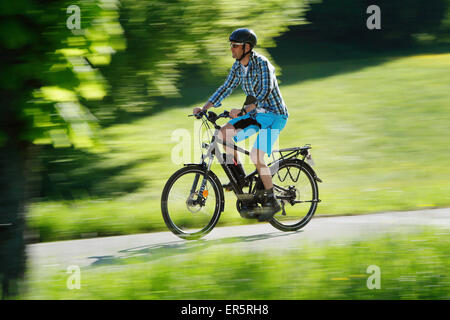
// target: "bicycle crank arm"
[[299, 201]]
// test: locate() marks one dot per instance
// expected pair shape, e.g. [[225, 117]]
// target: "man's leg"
[[270, 204], [257, 157], [226, 133], [239, 129], [264, 143]]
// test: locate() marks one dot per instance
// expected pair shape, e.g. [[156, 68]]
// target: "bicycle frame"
[[212, 150]]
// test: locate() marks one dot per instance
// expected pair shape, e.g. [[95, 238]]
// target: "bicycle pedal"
[[228, 187], [245, 196]]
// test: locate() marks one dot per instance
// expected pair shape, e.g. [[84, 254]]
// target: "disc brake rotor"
[[195, 205]]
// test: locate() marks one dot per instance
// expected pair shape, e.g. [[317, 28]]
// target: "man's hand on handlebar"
[[205, 107], [196, 110], [211, 116]]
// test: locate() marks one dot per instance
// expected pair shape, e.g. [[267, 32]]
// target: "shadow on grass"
[[69, 174], [164, 250], [190, 92]]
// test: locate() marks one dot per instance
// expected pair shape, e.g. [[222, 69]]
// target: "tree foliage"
[[51, 70], [45, 78]]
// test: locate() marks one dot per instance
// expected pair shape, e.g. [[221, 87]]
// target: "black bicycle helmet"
[[244, 35]]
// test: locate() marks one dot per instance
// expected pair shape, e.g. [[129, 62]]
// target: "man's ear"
[[247, 47]]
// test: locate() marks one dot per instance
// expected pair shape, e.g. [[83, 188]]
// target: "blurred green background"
[[87, 115]]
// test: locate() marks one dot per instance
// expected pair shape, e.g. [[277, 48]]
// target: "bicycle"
[[193, 197]]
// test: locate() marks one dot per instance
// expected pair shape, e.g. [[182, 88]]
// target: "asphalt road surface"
[[320, 230]]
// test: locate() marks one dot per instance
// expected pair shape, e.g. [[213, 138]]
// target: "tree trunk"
[[12, 202]]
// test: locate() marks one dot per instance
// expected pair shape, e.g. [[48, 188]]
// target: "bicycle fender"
[[312, 171], [203, 165]]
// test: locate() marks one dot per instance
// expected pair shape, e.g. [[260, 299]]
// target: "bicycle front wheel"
[[189, 210], [296, 188]]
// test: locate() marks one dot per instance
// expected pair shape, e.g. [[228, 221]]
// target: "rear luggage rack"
[[294, 152]]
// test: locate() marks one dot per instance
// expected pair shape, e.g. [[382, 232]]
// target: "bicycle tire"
[[311, 198], [168, 213]]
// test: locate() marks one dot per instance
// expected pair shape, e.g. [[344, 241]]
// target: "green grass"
[[379, 133], [411, 265]]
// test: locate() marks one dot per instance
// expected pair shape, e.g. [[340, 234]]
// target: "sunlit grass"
[[379, 136], [411, 266]]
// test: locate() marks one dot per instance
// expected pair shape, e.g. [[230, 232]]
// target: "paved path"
[[89, 252]]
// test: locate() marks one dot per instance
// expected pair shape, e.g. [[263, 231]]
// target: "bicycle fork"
[[201, 192]]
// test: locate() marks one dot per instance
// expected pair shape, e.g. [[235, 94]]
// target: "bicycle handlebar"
[[211, 116]]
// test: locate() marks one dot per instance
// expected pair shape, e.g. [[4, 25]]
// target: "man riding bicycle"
[[264, 111]]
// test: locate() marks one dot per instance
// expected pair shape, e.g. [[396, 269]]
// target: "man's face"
[[236, 49]]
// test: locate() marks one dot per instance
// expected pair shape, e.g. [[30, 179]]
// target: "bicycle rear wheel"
[[296, 188], [191, 213]]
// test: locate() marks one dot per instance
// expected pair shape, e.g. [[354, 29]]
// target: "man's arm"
[[240, 112], [204, 108], [208, 105], [224, 90], [247, 108]]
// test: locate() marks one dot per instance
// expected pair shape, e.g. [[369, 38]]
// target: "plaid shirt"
[[260, 82]]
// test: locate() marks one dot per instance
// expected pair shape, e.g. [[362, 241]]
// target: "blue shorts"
[[269, 126]]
